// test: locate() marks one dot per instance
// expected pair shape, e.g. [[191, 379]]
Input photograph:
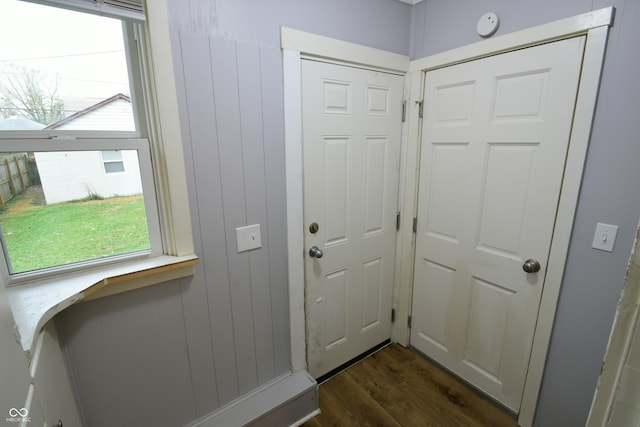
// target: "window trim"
[[153, 43], [54, 139], [142, 147], [108, 8]]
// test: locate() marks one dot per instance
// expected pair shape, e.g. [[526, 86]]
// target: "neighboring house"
[[19, 123], [73, 175], [114, 113]]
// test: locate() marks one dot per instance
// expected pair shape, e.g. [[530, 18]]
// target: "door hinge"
[[420, 105], [393, 315], [409, 321], [415, 225], [398, 221], [404, 111]]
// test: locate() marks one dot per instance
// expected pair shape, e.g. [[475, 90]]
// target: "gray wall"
[[593, 279], [168, 354]]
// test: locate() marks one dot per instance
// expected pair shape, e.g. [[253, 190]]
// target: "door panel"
[[351, 146], [336, 153], [495, 138]]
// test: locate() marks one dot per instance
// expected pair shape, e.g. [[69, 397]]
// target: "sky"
[[85, 51]]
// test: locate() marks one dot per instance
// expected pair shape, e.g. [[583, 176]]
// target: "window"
[[112, 161], [77, 183]]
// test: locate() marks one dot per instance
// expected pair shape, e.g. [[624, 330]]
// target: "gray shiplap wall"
[[229, 131], [168, 354]]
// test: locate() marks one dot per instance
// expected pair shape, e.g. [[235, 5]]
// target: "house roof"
[[20, 123], [88, 110]]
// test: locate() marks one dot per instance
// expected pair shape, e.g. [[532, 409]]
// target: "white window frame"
[[36, 299], [141, 146]]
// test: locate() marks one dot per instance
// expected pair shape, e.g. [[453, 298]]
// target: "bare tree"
[[30, 94]]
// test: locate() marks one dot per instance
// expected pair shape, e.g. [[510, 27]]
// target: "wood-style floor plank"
[[398, 387]]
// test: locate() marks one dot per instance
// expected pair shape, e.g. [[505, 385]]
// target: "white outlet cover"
[[488, 24], [248, 237]]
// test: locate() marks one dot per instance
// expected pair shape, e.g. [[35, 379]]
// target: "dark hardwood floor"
[[398, 387]]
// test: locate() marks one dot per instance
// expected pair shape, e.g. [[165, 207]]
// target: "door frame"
[[297, 45], [595, 26]]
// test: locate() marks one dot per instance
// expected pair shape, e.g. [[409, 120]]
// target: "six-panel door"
[[351, 145], [495, 138]]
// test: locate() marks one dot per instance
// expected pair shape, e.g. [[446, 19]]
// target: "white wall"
[[73, 175]]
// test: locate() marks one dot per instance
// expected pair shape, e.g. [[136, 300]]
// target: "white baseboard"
[[286, 401]]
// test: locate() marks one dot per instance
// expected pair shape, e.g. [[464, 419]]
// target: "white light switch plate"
[[605, 237], [248, 237]]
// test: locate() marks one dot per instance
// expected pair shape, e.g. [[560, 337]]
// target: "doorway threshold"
[[336, 371]]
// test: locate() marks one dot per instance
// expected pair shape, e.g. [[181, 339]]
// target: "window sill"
[[35, 303]]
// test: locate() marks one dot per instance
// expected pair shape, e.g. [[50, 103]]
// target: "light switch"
[[248, 237], [605, 237]]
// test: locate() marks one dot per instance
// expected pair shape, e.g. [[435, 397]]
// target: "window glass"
[[113, 162], [112, 155], [113, 167], [62, 69], [60, 208], [76, 196]]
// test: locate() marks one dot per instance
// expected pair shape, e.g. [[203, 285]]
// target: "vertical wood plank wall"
[[168, 354], [171, 353], [224, 332]]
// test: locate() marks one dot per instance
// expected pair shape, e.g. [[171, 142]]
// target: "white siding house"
[[73, 175]]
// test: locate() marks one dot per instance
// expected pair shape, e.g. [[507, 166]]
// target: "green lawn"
[[50, 235]]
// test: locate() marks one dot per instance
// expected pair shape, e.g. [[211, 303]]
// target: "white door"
[[495, 138], [351, 144]]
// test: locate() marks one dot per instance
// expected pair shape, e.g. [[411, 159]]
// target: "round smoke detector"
[[488, 24]]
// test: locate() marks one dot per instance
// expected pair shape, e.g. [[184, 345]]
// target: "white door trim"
[[338, 50], [593, 24], [296, 44], [557, 30]]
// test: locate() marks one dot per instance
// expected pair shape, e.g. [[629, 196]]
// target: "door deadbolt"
[[313, 228]]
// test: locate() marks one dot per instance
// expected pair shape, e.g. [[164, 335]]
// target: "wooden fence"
[[15, 176]]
